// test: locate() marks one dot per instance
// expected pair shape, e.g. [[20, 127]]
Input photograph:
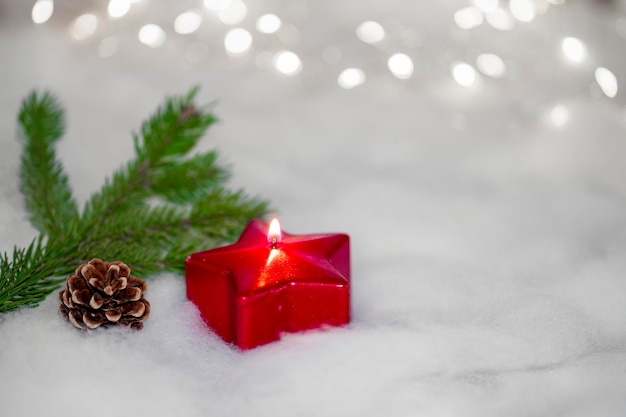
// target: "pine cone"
[[103, 293]]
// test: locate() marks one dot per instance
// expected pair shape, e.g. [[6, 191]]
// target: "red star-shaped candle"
[[270, 282]]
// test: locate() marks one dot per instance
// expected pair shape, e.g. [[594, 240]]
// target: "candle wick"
[[274, 242]]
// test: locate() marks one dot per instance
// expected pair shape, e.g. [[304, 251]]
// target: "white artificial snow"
[[487, 245]]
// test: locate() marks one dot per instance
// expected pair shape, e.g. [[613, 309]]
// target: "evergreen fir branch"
[[187, 181], [45, 187], [121, 221], [27, 277], [120, 192], [171, 132]]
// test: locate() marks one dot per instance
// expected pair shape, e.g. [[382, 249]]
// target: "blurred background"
[[405, 83]]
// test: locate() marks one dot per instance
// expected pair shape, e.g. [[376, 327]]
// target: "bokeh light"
[[216, 5], [350, 78], [370, 32], [573, 49], [287, 62], [500, 19], [152, 35], [237, 41], [118, 8], [486, 6], [42, 11], [84, 26], [234, 13], [607, 81], [559, 115], [268, 23], [491, 65], [187, 22], [464, 74], [522, 10], [400, 65], [468, 17]]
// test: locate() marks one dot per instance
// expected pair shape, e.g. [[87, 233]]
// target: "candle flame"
[[274, 235]]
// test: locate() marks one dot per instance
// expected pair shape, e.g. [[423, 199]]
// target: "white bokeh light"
[[607, 81], [287, 62], [468, 17], [486, 6], [42, 11], [152, 35], [350, 78], [522, 10], [268, 23], [370, 32], [400, 65], [500, 19], [237, 41], [187, 22], [84, 26], [573, 49], [234, 13], [491, 65], [216, 5], [118, 8], [558, 115], [464, 74]]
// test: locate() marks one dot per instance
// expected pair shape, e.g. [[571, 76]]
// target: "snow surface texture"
[[487, 245]]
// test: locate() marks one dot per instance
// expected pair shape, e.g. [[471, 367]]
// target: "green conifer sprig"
[[121, 222], [45, 187], [26, 276]]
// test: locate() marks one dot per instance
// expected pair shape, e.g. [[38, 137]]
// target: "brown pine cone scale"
[[103, 293]]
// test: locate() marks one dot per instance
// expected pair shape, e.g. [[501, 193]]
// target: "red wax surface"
[[249, 292]]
